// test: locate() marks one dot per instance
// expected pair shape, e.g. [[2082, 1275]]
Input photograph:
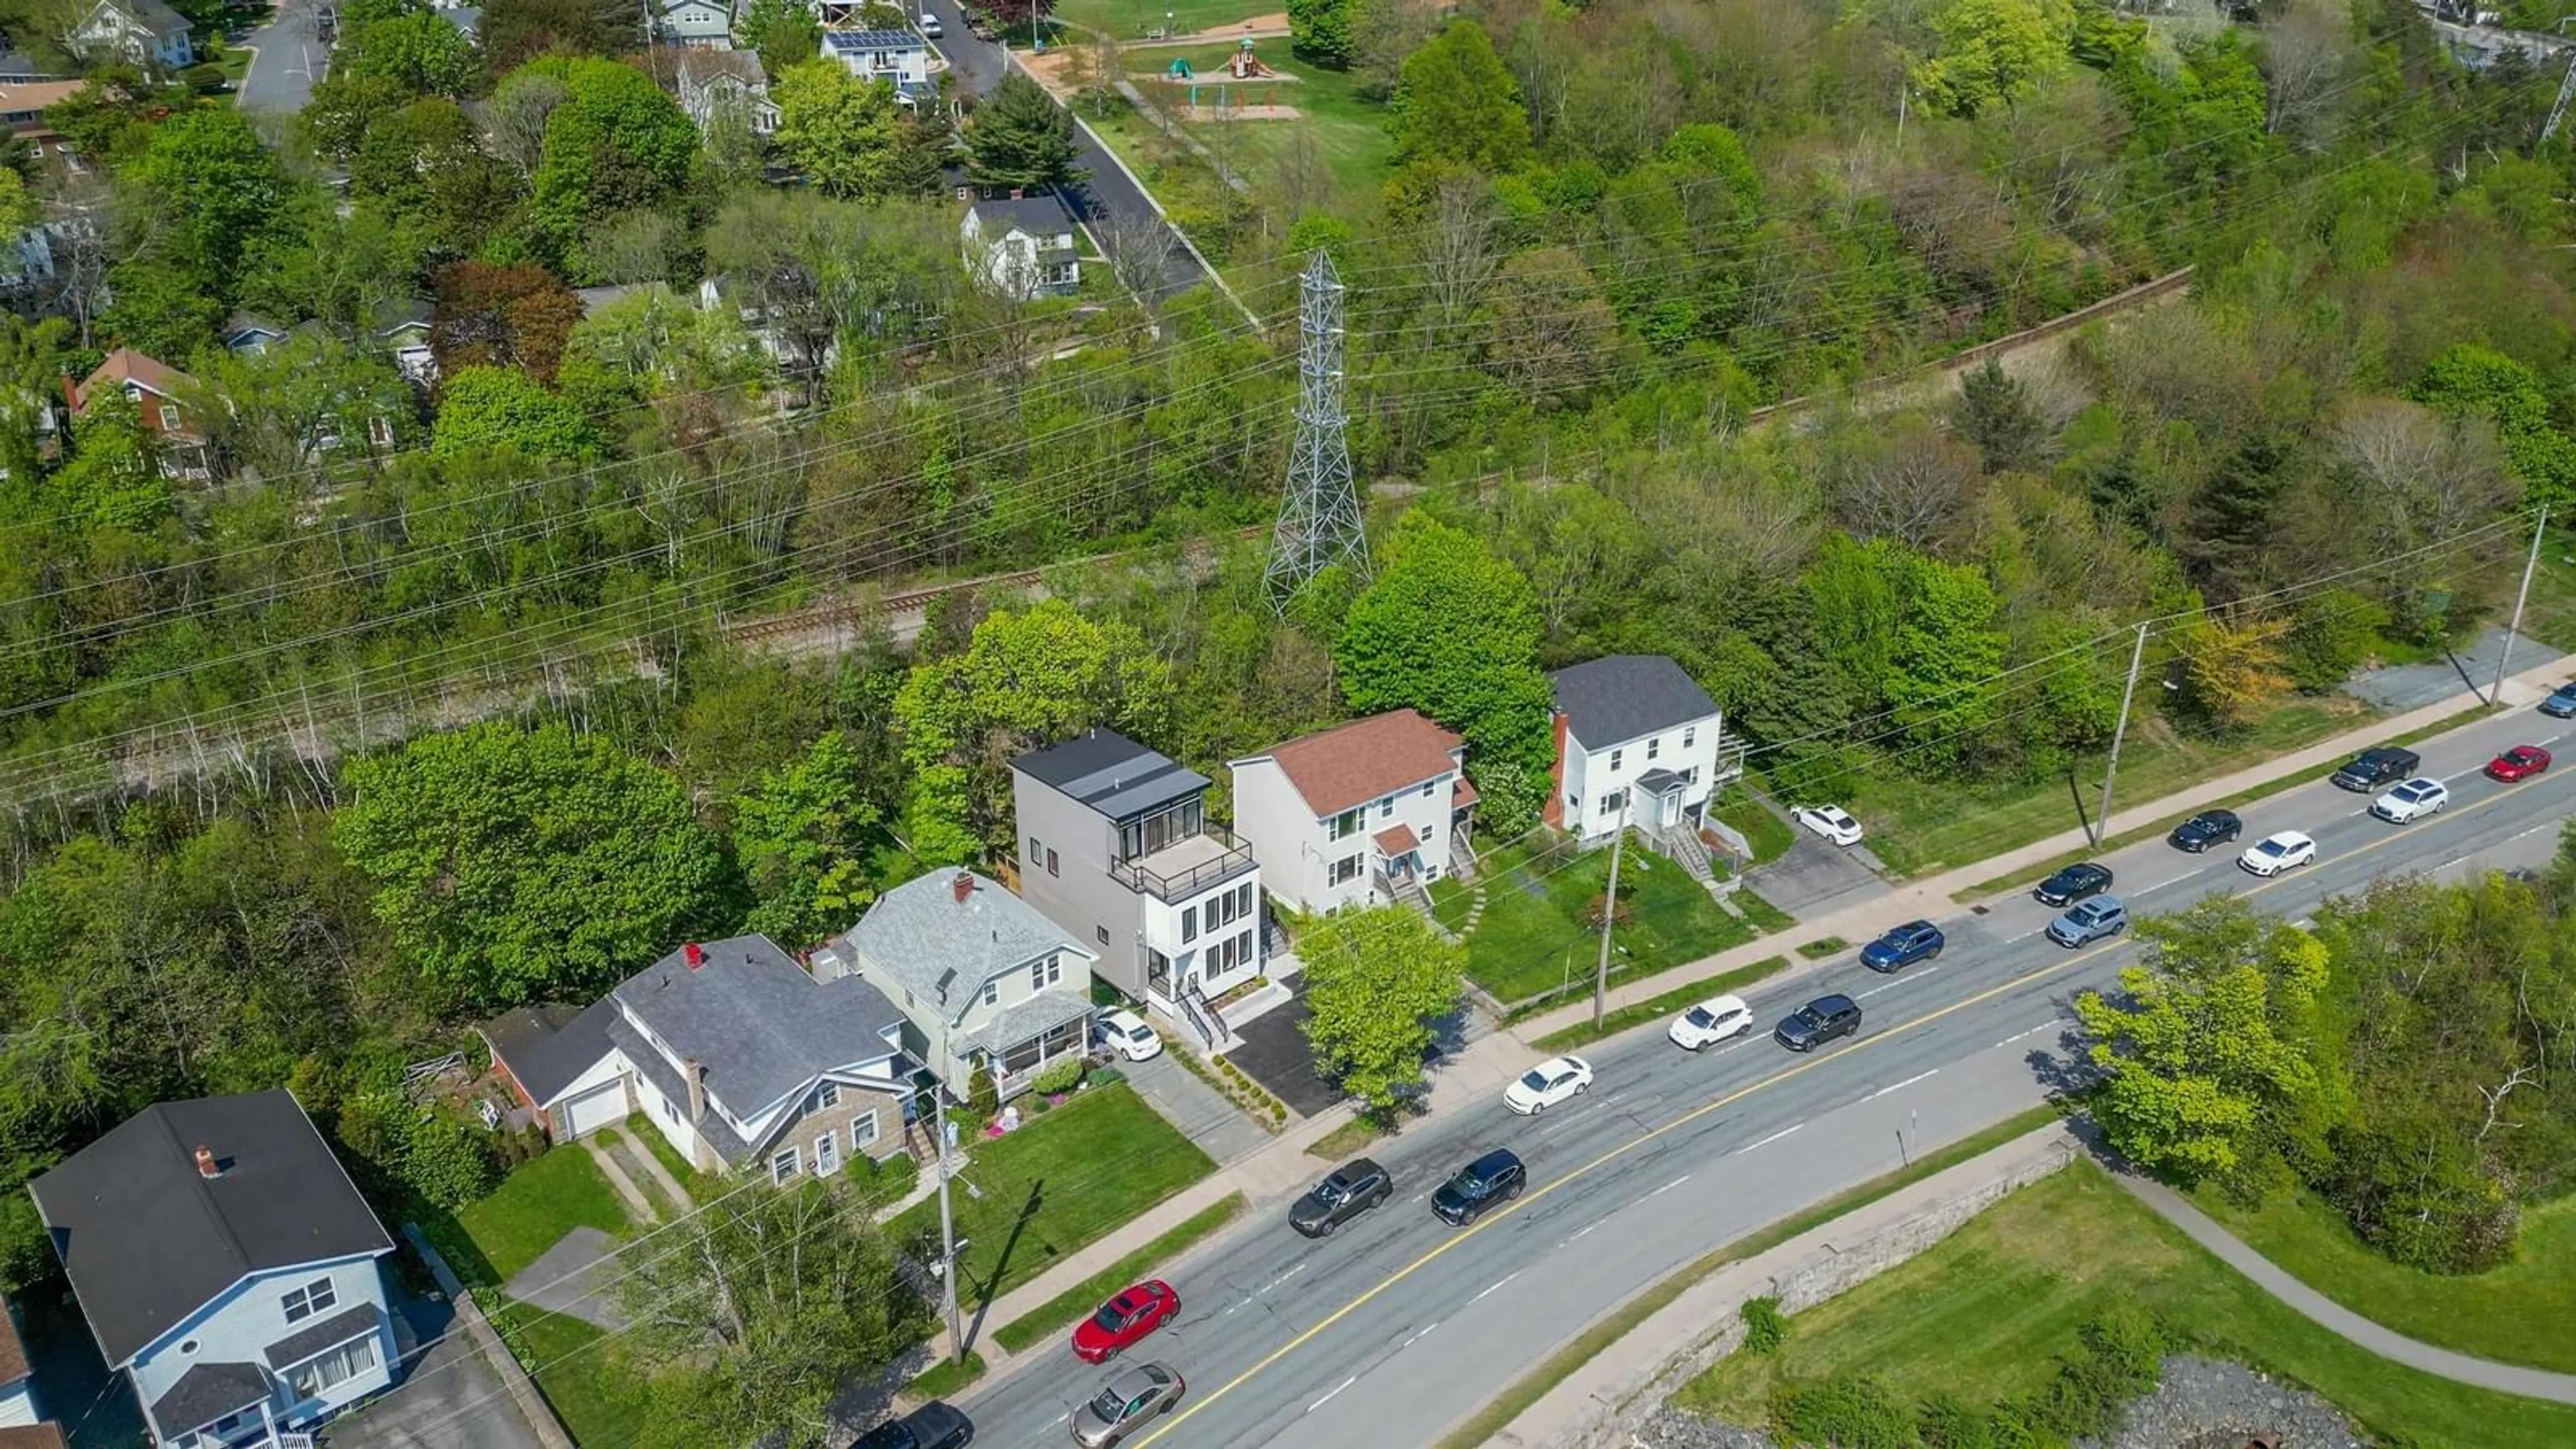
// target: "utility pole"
[[1319, 511], [2538, 531], [948, 1244], [2120, 731], [1609, 913]]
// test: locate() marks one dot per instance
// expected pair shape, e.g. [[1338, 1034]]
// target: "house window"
[[1102, 932], [1689, 734], [1573, 802], [1189, 924], [827, 1096], [1614, 759], [1429, 830], [993, 992], [1346, 823], [380, 431], [863, 1131], [1427, 787], [310, 1299], [1345, 869], [1045, 973], [1386, 807], [1611, 802], [169, 417], [1051, 870], [1654, 744], [317, 1376], [1037, 854], [1243, 899], [784, 1166]]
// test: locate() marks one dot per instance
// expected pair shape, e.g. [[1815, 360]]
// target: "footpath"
[[1279, 1171]]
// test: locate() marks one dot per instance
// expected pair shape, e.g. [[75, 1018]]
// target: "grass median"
[[1668, 1004], [1053, 1316], [1621, 1321]]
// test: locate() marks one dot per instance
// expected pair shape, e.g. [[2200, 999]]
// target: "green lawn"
[[1768, 834], [1058, 1313], [1349, 134], [1919, 824], [1130, 19], [1985, 1312], [532, 1209], [1671, 1003], [590, 1388], [701, 1185], [1063, 1180], [2489, 1315], [2551, 615], [1533, 936]]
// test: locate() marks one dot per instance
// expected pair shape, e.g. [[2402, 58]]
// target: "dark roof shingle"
[[1621, 697], [207, 1392], [312, 1338], [757, 1023], [547, 1047], [1111, 773]]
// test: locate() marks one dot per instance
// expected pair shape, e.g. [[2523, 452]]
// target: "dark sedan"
[[2073, 884], [1348, 1191], [2208, 828], [1818, 1022], [1914, 941]]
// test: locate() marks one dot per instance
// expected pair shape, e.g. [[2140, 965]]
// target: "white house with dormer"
[[1638, 742]]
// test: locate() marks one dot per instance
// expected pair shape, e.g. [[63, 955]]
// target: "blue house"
[[227, 1265]]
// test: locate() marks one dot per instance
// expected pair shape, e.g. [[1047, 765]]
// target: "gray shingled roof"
[[156, 16], [312, 1338], [207, 1392], [1613, 700], [148, 1241], [649, 1064], [1111, 773], [1035, 1016], [548, 1047], [1039, 215], [918, 933], [758, 1025]]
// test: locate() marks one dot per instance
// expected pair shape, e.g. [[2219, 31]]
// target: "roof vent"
[[696, 953], [962, 887], [207, 1167]]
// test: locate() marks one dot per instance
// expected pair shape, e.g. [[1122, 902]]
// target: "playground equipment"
[[1242, 65]]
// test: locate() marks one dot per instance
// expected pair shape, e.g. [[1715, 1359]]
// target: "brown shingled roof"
[[13, 1353], [1360, 761], [47, 1435]]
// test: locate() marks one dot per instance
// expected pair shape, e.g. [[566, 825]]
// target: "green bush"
[[204, 80], [1847, 1411], [1764, 1329], [1062, 1077], [443, 1158], [1943, 1422], [1106, 1076], [898, 1174], [983, 1098]]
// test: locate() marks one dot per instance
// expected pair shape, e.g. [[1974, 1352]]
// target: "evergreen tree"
[[1020, 138], [1994, 413]]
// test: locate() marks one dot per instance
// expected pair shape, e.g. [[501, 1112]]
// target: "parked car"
[[1131, 1397], [2413, 800], [2089, 920], [2208, 828], [1125, 1321], [1903, 946], [1832, 822], [1558, 1079], [1128, 1035], [1346, 1192], [2274, 854], [1711, 1022], [2519, 763], [1818, 1022], [1480, 1187], [2561, 703], [2373, 768], [934, 1425], [2073, 884], [930, 28]]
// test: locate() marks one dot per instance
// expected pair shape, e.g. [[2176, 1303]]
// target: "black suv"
[[1485, 1184], [2376, 767], [1350, 1190], [1818, 1022], [932, 1426]]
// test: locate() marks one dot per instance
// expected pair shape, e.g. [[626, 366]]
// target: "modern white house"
[[227, 1266], [1638, 742], [1362, 814], [1116, 847], [698, 24], [1021, 246], [712, 84], [741, 1058], [900, 58], [981, 978], [146, 32]]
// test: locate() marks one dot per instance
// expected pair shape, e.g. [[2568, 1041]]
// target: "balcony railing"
[[1186, 867]]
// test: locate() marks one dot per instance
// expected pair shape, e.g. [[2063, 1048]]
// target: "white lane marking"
[[1897, 982], [1284, 1277], [2160, 885], [1587, 1227], [1765, 1142], [1667, 1187], [2033, 1031], [1328, 1398], [1067, 1414], [1497, 1288], [1418, 1335], [2024, 936], [1613, 1099], [1898, 1086]]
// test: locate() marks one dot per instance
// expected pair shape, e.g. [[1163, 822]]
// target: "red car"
[[1125, 1320], [2519, 763]]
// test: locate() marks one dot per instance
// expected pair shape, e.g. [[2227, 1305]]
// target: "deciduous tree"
[[843, 132], [487, 409], [1378, 981], [1457, 103], [1320, 31], [800, 832]]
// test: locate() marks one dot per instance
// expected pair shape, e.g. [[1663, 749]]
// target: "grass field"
[[1670, 1003], [1534, 937], [2488, 1315], [2551, 614], [1058, 1183], [528, 1213], [1768, 834], [1348, 133], [1131, 19], [1984, 1313], [1059, 1313], [598, 1398]]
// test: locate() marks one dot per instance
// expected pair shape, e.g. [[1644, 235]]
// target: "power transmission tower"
[[2558, 107], [1319, 512]]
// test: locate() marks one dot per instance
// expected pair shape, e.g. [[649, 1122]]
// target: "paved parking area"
[[2453, 676], [1273, 1052], [1815, 878], [448, 1397], [566, 1279]]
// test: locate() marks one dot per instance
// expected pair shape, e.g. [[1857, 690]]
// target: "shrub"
[[898, 1174], [449, 1162], [1764, 1329], [983, 1098], [1943, 1422], [1846, 1411], [204, 80], [1058, 1078], [1106, 1076]]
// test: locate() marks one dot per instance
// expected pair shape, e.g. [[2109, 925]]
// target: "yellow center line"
[[1863, 1044]]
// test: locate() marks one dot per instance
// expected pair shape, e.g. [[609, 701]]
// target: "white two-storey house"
[[1638, 742], [1362, 814], [227, 1266]]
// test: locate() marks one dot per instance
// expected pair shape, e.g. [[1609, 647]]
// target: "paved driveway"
[[288, 57], [1815, 878], [1274, 1052], [2454, 676], [448, 1398], [1202, 1115], [567, 1279]]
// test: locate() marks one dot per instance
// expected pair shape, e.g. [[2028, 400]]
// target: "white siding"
[[18, 1404], [1590, 775], [239, 1326]]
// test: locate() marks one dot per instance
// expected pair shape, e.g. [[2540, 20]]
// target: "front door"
[[827, 1154], [1158, 973], [1668, 810]]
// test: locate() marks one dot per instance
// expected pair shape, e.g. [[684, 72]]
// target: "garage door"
[[605, 1107]]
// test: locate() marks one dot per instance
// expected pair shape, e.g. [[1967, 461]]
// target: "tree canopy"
[[1019, 137], [1377, 981]]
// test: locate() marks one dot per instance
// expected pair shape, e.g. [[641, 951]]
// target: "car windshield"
[[1330, 1192], [1699, 1016], [1468, 1184], [1536, 1081], [2272, 847], [1109, 1317], [1108, 1405], [1809, 1016]]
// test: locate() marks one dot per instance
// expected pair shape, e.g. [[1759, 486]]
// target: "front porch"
[[1028, 1039]]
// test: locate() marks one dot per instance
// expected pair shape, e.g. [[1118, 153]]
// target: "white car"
[[1710, 1022], [1832, 822], [2274, 854], [1550, 1082], [2413, 800], [930, 29], [1129, 1037]]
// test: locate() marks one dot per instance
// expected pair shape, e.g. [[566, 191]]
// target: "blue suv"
[[2090, 920], [1914, 941], [2561, 703]]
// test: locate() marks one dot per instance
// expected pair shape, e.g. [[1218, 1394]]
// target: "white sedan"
[[1832, 822], [2413, 800], [1711, 1022], [1550, 1082], [2274, 854], [1129, 1037]]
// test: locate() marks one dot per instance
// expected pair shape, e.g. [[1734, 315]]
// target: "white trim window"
[[993, 992], [784, 1165], [1045, 972], [863, 1131], [1343, 870], [314, 1297], [827, 1096], [1690, 735], [320, 1374]]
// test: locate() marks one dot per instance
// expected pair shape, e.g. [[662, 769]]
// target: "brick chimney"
[[207, 1167], [696, 954], [697, 1076], [963, 887]]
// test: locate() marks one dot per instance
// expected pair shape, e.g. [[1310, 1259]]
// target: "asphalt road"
[[981, 64], [1399, 1327], [288, 58]]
